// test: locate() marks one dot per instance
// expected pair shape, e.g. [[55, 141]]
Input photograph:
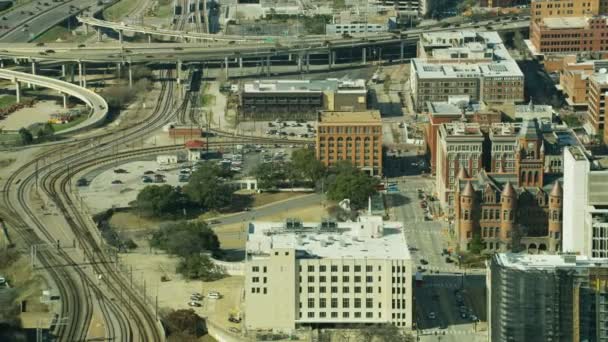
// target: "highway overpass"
[[98, 106], [184, 36], [26, 22], [214, 51]]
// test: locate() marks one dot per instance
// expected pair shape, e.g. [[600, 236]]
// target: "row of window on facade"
[[350, 129], [347, 289], [345, 314], [357, 303], [345, 268], [470, 235]]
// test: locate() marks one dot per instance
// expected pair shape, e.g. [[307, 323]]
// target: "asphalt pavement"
[[25, 22], [445, 292]]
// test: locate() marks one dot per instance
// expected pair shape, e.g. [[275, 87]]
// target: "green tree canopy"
[[200, 266], [352, 183], [25, 136], [207, 189], [269, 175], [306, 166], [185, 238], [160, 201]]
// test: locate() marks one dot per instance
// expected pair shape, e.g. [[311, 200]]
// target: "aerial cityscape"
[[304, 170]]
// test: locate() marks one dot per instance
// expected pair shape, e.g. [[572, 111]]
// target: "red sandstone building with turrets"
[[510, 208]]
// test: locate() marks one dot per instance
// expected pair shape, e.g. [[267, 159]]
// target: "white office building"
[[585, 222], [335, 273]]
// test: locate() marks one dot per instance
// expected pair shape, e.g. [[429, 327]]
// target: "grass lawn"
[[60, 127], [164, 9], [8, 138], [15, 5], [270, 197], [7, 100], [120, 9], [61, 33]]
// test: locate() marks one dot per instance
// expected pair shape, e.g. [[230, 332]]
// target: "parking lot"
[[292, 129]]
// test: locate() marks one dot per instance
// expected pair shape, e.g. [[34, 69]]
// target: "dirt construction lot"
[[149, 265]]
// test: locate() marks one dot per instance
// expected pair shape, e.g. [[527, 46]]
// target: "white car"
[[2, 281], [213, 295]]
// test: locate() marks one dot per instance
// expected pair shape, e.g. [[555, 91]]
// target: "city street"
[[446, 302]]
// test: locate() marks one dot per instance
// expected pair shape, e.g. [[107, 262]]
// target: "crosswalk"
[[449, 332]]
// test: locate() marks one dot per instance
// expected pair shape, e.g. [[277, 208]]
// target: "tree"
[[476, 245], [118, 96], [207, 187], [46, 132], [350, 182], [306, 166], [185, 238], [26, 136], [269, 175], [184, 323], [201, 267], [384, 333], [160, 201]]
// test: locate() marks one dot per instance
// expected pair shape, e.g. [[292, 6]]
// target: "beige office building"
[[330, 273]]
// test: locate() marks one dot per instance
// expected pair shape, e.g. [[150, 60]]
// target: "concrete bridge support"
[[1, 63], [402, 51], [267, 66], [99, 35], [149, 39], [130, 76], [240, 62], [226, 71], [118, 70], [17, 90], [120, 36], [33, 86], [179, 71], [65, 100], [364, 55], [82, 74], [307, 62], [63, 71]]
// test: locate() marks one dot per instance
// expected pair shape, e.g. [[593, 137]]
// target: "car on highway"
[[213, 295], [194, 304], [233, 319]]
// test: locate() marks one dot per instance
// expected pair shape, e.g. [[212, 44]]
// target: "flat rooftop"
[[525, 262], [565, 22], [368, 116], [310, 240], [299, 86], [455, 129], [503, 68]]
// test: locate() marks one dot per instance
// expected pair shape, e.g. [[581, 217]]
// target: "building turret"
[[466, 201], [463, 174], [508, 206], [555, 217]]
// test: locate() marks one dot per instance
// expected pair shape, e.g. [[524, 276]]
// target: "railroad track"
[[76, 305]]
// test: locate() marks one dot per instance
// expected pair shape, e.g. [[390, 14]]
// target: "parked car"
[[82, 182], [2, 281], [120, 171], [117, 181], [213, 295], [149, 172], [234, 330], [194, 304], [233, 319], [424, 262], [146, 179]]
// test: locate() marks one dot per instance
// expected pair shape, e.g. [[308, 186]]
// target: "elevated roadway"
[[98, 106], [26, 22], [196, 52], [121, 27]]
